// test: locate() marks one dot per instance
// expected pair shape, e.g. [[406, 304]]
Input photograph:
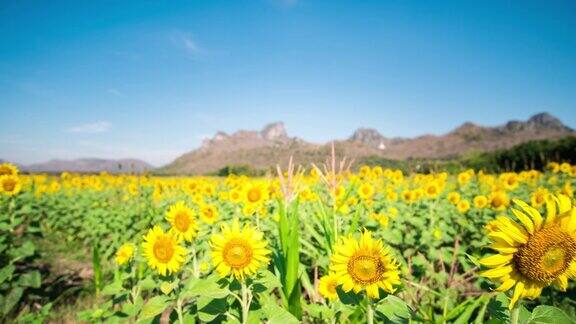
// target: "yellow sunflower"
[[125, 253], [536, 254], [8, 169], [454, 197], [239, 252], [10, 185], [208, 213], [463, 206], [499, 200], [366, 191], [163, 250], [364, 264], [480, 201], [327, 286], [255, 193], [183, 221]]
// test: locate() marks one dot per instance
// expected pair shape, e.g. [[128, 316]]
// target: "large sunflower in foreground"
[[238, 251], [8, 169], [536, 254], [163, 250], [364, 264], [183, 221]]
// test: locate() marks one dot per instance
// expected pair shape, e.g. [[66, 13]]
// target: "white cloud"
[[115, 92], [92, 128], [184, 40]]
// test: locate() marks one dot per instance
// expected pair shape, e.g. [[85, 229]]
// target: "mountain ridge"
[[263, 149]]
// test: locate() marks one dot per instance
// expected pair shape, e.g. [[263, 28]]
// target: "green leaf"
[[348, 298], [154, 306], [275, 313], [12, 299], [31, 279], [208, 287], [147, 284], [548, 314], [6, 273], [394, 308], [114, 288], [209, 308]]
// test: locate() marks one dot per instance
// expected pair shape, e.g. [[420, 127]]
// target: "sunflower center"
[[5, 170], [237, 253], [497, 202], [208, 212], [546, 255], [254, 195], [182, 221], [163, 250], [365, 269], [9, 184]]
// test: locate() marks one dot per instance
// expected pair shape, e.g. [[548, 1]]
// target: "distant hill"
[[90, 165], [263, 149]]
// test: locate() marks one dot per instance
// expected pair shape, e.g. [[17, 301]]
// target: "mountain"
[[90, 165], [264, 149], [470, 137]]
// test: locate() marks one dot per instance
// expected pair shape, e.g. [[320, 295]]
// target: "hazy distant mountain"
[[263, 149], [90, 165]]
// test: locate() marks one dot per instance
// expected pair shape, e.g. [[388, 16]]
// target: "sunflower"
[[366, 191], [463, 206], [536, 254], [125, 253], [239, 252], [499, 200], [8, 169], [480, 201], [454, 197], [364, 264], [183, 221], [10, 185], [208, 213], [254, 194], [163, 250], [327, 286]]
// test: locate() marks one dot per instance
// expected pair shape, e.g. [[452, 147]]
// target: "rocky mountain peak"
[[545, 120], [274, 131]]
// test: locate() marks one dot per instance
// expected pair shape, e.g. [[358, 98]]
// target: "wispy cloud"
[[91, 128], [184, 40], [115, 92]]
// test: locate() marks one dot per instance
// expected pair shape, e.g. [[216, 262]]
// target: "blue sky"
[[150, 79]]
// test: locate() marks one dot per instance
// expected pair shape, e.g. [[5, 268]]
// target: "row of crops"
[[325, 245]]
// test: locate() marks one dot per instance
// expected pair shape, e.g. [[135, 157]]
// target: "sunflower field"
[[320, 244]]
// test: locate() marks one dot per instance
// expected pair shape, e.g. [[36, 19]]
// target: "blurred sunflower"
[[208, 213], [366, 191], [183, 221], [327, 286], [480, 201], [499, 200], [454, 197], [536, 254], [239, 252], [10, 185], [125, 253], [463, 206], [364, 264], [163, 250]]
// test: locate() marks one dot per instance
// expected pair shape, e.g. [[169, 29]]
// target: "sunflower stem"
[[369, 312], [515, 314], [246, 299], [179, 303]]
